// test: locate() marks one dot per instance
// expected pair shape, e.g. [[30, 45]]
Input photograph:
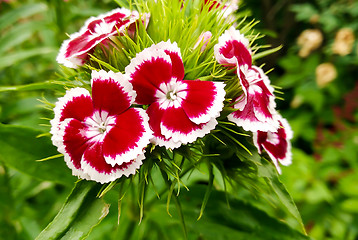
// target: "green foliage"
[[79, 214], [21, 147]]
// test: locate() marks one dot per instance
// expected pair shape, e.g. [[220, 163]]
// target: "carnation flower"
[[276, 144], [256, 105], [180, 111], [101, 137], [74, 51], [233, 49]]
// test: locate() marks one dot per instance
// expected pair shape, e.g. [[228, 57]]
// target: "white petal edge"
[[74, 61], [120, 79], [61, 149], [192, 136], [230, 34], [141, 144], [254, 126], [60, 104], [149, 54], [215, 109], [105, 178]]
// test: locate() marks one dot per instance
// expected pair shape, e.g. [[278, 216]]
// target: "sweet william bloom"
[[276, 144], [180, 111], [233, 50], [101, 137], [256, 105], [74, 51]]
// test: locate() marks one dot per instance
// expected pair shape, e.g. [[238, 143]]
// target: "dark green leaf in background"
[[20, 148]]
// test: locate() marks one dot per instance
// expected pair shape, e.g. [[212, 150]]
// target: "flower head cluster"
[[153, 94], [255, 106]]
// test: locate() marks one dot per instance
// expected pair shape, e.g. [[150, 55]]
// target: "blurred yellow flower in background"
[[325, 73], [343, 42], [309, 40]]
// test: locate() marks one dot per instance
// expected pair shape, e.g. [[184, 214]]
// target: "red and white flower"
[[180, 111], [228, 8], [74, 51], [101, 137], [233, 49], [276, 144], [256, 105]]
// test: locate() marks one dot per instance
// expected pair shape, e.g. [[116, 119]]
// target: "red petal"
[[94, 164], [76, 103], [127, 138], [176, 125], [276, 144], [72, 144], [155, 118], [147, 71], [111, 92], [204, 100]]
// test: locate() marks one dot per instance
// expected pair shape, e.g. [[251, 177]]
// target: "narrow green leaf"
[[10, 59], [19, 34], [24, 11], [32, 86], [20, 148], [241, 220], [81, 212], [268, 171], [265, 53]]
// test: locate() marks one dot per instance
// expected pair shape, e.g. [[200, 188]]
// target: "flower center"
[[171, 94], [98, 125]]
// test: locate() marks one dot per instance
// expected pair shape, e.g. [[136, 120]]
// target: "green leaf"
[[268, 171], [32, 86], [16, 14], [10, 59], [19, 34], [238, 220], [81, 212], [20, 148]]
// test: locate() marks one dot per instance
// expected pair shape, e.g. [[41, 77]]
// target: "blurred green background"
[[317, 71]]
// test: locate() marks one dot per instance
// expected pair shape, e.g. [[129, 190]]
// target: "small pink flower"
[[256, 105], [101, 137], [73, 52], [276, 144], [180, 111], [203, 40], [233, 49]]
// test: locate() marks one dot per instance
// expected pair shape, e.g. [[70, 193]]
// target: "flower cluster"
[[254, 105], [104, 133]]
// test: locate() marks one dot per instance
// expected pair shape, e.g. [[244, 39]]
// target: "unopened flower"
[[325, 73], [276, 144], [256, 105], [343, 42], [203, 40], [180, 111], [73, 52], [101, 137], [233, 49], [309, 40]]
